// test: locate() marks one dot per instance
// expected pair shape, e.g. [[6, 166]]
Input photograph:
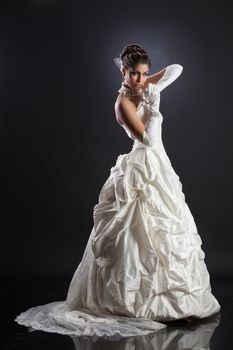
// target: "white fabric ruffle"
[[143, 264]]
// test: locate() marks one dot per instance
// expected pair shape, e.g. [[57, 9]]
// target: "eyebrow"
[[134, 70]]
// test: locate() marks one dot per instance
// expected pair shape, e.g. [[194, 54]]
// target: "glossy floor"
[[212, 333]]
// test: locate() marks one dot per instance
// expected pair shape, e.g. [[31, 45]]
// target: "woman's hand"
[[151, 93], [152, 97]]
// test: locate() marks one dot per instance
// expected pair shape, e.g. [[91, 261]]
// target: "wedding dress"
[[143, 263]]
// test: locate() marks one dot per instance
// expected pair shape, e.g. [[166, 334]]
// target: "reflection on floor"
[[210, 333]]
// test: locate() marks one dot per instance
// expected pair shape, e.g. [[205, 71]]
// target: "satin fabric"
[[144, 263]]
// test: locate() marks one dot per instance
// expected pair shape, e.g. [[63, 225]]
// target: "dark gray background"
[[59, 137]]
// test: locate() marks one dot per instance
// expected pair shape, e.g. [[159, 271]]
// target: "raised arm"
[[166, 76]]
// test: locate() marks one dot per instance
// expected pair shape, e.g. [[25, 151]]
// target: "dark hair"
[[134, 54]]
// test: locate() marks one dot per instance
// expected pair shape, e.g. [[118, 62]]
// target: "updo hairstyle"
[[132, 55]]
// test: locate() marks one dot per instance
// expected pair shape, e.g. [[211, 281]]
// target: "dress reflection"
[[196, 335]]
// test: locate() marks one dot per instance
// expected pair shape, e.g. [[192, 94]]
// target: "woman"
[[143, 262]]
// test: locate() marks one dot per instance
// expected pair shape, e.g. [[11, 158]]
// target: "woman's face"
[[137, 76]]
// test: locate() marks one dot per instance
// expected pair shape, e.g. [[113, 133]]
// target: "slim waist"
[[137, 144]]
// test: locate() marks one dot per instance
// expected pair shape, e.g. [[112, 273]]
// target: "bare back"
[[126, 113]]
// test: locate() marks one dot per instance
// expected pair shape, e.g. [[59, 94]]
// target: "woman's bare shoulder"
[[116, 107], [122, 102]]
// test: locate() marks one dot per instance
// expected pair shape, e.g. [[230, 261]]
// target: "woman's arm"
[[154, 78], [166, 76]]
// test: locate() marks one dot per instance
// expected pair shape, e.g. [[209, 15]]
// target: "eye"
[[135, 73]]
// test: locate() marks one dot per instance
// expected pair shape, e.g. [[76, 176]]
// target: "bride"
[[143, 264]]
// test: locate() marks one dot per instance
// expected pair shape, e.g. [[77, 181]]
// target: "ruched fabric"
[[143, 263]]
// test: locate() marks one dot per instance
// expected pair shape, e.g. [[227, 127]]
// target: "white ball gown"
[[143, 263]]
